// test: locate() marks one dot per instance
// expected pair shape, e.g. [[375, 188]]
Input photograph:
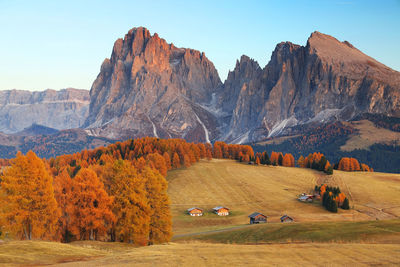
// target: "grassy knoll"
[[342, 232], [318, 237], [203, 254], [41, 252], [373, 194], [273, 191]]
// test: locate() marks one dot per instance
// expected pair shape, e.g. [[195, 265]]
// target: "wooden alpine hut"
[[257, 217], [286, 219], [195, 211], [221, 211]]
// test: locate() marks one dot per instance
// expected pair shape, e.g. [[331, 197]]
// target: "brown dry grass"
[[205, 254], [244, 189], [368, 135], [270, 190], [374, 194]]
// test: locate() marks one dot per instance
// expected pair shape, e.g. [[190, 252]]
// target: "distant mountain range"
[[149, 87], [64, 109]]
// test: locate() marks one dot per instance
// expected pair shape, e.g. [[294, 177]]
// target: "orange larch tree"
[[130, 205], [344, 164], [176, 162], [91, 216], [160, 215], [28, 207], [62, 192]]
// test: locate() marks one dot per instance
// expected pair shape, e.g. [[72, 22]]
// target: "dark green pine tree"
[[266, 159], [280, 159], [329, 171], [346, 204], [325, 200], [322, 163], [331, 205]]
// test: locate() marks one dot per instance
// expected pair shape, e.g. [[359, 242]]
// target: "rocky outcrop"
[[324, 80], [151, 88], [62, 109]]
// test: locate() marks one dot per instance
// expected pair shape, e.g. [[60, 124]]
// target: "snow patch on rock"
[[278, 127], [204, 127], [325, 115]]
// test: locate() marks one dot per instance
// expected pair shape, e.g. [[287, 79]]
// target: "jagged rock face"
[[64, 109], [151, 88], [326, 79]]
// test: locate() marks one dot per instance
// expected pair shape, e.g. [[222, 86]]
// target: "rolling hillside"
[[203, 254], [273, 191], [355, 237]]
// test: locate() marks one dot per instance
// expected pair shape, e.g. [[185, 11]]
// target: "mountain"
[[151, 88], [36, 129], [48, 144], [322, 81], [326, 96], [64, 109]]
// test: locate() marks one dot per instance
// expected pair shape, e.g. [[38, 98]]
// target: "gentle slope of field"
[[355, 237], [321, 232], [273, 191], [202, 254], [369, 134]]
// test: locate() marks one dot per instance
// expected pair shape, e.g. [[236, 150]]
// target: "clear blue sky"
[[59, 44]]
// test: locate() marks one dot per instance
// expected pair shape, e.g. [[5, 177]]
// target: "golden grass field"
[[369, 134], [200, 254], [318, 237], [273, 191]]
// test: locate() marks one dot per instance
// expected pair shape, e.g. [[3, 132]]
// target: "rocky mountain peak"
[[324, 80], [148, 85]]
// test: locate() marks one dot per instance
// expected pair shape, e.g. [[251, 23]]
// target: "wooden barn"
[[195, 211], [257, 217], [221, 211], [286, 219]]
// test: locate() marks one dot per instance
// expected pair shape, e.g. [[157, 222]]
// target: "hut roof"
[[286, 217], [220, 207], [255, 214], [194, 208]]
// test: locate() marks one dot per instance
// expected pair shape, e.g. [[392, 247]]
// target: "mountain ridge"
[[299, 85], [149, 87], [62, 109]]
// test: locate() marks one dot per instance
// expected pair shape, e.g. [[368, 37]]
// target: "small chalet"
[[221, 211], [306, 198], [286, 219], [257, 217], [195, 211]]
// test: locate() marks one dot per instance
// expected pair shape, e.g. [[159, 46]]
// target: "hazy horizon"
[[56, 45]]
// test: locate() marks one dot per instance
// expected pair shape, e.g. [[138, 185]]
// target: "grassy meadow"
[[367, 234], [87, 253], [273, 191]]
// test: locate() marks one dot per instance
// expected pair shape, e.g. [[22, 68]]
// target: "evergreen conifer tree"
[[280, 159], [345, 204]]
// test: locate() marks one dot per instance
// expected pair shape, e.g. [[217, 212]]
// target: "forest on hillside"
[[115, 193]]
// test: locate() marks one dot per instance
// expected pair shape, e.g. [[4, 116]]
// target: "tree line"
[[113, 193]]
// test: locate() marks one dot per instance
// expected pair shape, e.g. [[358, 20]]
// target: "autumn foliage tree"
[[91, 214], [160, 215], [28, 208], [130, 203], [62, 192], [332, 197], [352, 164], [288, 160]]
